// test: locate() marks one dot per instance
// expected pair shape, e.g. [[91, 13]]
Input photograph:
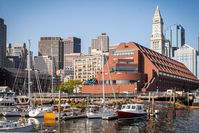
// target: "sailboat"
[[100, 111], [37, 111]]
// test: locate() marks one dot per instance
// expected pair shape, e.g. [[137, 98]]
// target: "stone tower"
[[157, 38]]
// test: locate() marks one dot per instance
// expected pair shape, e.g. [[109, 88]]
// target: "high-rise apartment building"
[[72, 45], [3, 32], [52, 46], [157, 38], [102, 40], [188, 56], [175, 34], [86, 67]]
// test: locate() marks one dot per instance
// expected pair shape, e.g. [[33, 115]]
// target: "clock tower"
[[157, 38]]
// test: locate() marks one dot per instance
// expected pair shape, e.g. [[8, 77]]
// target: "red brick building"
[[132, 67]]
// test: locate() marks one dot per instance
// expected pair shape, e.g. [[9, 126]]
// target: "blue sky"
[[122, 20]]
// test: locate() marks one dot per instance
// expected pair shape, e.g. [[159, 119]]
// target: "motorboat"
[[129, 111], [7, 97], [39, 111], [15, 126], [98, 112]]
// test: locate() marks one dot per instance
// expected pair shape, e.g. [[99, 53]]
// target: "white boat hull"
[[36, 114], [99, 115], [39, 112], [91, 115]]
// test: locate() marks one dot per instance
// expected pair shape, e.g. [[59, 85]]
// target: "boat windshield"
[[139, 107], [128, 107], [132, 107]]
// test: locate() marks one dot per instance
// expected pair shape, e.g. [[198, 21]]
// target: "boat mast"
[[52, 90], [102, 65], [28, 67]]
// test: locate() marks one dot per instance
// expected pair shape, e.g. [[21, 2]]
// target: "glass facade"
[[176, 35], [188, 56]]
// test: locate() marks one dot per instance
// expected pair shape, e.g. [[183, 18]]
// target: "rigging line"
[[110, 78], [24, 84], [16, 76], [38, 85]]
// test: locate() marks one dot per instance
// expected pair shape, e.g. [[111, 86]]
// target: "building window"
[[124, 69]]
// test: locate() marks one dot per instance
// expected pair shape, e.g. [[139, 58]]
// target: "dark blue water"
[[168, 121]]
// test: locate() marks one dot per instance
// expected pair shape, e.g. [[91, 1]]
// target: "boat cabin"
[[93, 108], [133, 107]]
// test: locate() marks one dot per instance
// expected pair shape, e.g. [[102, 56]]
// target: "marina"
[[115, 115], [167, 121], [58, 74]]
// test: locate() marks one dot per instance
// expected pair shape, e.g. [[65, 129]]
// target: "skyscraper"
[[102, 40], [3, 31], [52, 46], [188, 56], [157, 38], [175, 34], [72, 45]]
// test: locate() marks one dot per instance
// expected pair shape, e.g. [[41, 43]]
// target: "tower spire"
[[157, 12]]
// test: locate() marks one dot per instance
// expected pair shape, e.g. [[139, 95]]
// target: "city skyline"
[[123, 21]]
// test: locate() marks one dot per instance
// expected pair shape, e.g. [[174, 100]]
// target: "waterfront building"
[[72, 45], [157, 38], [133, 68], [3, 37], [87, 66], [52, 46], [103, 40], [188, 56], [175, 34], [17, 80], [44, 65], [69, 65]]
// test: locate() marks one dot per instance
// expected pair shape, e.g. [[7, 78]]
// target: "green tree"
[[69, 85]]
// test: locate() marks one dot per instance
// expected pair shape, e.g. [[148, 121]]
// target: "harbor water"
[[168, 121]]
